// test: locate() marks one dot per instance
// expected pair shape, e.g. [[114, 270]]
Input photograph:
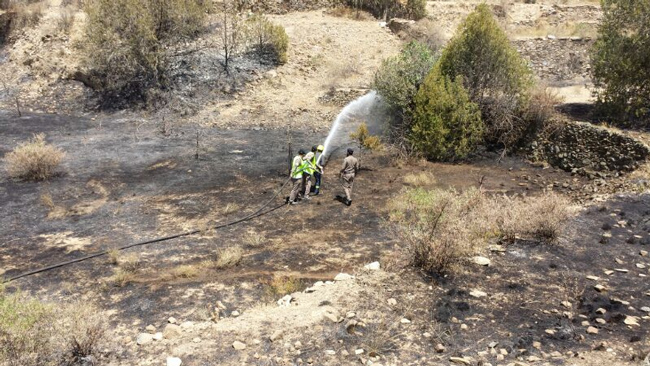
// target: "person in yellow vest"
[[297, 168], [309, 169]]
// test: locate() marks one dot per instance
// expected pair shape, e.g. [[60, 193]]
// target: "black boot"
[[348, 202]]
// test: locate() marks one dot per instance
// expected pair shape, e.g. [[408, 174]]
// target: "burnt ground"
[[123, 181]]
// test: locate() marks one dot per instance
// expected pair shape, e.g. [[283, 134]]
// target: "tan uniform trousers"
[[348, 181], [295, 188], [306, 182]]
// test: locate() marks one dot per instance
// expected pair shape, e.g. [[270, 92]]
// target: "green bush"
[[496, 77], [620, 59], [387, 9], [268, 39], [416, 9], [399, 77], [446, 124], [124, 50]]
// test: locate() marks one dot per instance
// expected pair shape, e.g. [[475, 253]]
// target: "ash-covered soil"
[[124, 180]]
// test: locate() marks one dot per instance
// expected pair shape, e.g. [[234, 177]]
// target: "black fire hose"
[[253, 215]]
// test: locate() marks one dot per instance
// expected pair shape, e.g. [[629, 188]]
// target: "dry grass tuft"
[[185, 271], [420, 179], [254, 239], [441, 228], [34, 160], [230, 208], [228, 257], [122, 278], [113, 256], [47, 201]]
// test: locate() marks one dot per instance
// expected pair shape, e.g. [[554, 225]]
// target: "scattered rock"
[[640, 265], [439, 348], [460, 360], [601, 321], [330, 352], [238, 345], [150, 328], [645, 309], [158, 336], [481, 261], [236, 313], [593, 278], [333, 315], [550, 331], [599, 288], [463, 327], [172, 320], [174, 361], [631, 320], [276, 335], [643, 253], [171, 331], [477, 293], [144, 338], [621, 270], [285, 301], [343, 277], [374, 266], [392, 302], [592, 330], [566, 304], [359, 351]]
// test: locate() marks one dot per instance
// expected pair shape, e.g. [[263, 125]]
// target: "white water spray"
[[352, 107]]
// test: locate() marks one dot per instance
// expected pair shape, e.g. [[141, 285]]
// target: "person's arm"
[[345, 165]]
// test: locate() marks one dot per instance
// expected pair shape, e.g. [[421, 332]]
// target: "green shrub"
[[34, 160], [496, 77], [268, 39], [124, 50], [446, 124], [619, 58], [363, 137], [399, 77], [416, 9], [387, 9]]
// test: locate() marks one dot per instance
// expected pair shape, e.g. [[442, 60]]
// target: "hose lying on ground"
[[255, 214]]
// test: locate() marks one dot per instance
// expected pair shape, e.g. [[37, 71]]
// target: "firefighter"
[[318, 162], [297, 168], [347, 174], [309, 169]]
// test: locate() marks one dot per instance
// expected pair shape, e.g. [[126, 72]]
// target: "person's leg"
[[308, 187], [318, 176], [294, 189], [347, 187]]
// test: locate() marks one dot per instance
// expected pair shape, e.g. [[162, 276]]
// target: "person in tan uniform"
[[349, 170]]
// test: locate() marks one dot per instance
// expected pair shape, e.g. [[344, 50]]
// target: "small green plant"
[[268, 38], [364, 139], [34, 159], [280, 285]]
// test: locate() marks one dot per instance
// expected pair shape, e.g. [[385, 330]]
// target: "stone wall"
[[585, 149], [556, 60]]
